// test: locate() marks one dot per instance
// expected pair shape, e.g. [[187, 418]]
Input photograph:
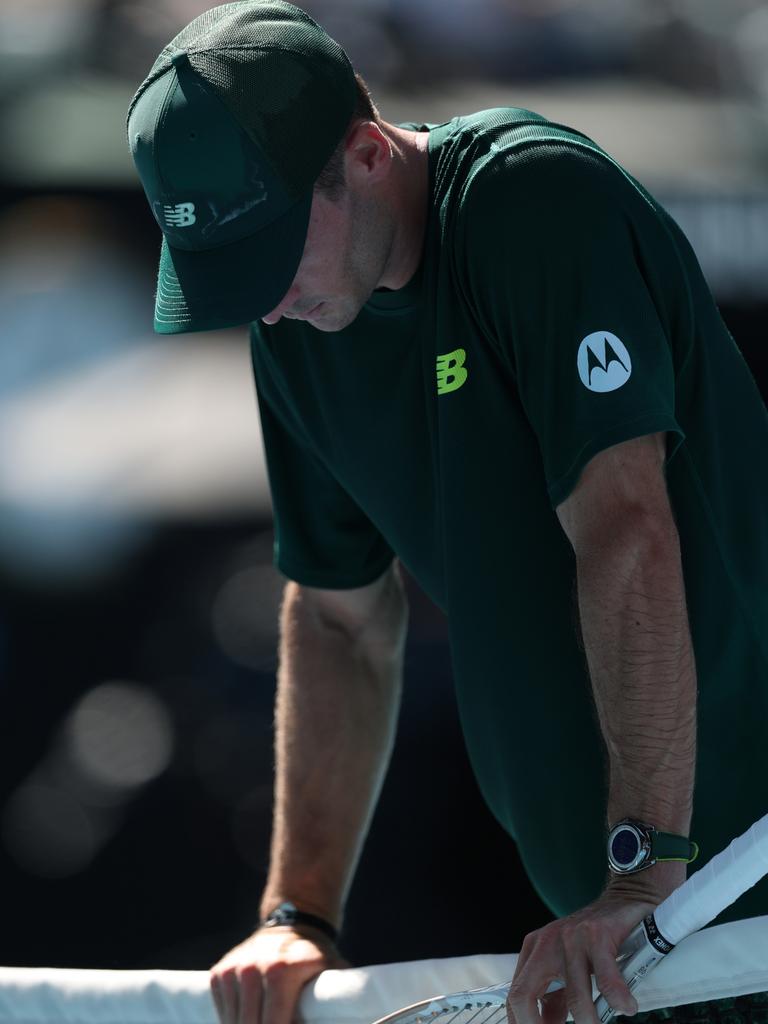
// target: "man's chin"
[[331, 320]]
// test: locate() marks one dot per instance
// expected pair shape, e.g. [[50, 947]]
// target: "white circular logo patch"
[[603, 362]]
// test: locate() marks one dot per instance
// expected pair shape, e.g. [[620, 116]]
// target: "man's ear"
[[368, 154]]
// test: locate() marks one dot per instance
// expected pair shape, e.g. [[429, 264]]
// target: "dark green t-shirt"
[[558, 310]]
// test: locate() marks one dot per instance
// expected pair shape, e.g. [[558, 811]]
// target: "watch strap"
[[667, 846], [288, 914]]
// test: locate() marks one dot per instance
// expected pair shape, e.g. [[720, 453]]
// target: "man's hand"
[[571, 949], [260, 981]]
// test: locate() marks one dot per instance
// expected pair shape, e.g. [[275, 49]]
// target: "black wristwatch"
[[634, 846], [288, 913]]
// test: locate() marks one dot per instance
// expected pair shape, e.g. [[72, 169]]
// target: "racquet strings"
[[484, 1007], [456, 1015]]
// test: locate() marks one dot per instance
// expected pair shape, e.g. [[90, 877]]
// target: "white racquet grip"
[[709, 891]]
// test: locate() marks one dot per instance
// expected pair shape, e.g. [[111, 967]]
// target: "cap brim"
[[234, 284]]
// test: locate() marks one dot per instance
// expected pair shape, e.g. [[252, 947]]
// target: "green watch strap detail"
[[666, 846]]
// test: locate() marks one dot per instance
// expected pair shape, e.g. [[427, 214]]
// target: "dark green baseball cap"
[[229, 132]]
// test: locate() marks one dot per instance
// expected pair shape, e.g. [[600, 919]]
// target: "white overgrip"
[[716, 886]]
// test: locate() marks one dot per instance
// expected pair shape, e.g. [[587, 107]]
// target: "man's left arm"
[[641, 663]]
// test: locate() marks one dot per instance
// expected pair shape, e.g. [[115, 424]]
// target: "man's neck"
[[410, 200]]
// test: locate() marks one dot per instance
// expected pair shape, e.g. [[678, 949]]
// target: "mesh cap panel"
[[278, 111], [289, 85]]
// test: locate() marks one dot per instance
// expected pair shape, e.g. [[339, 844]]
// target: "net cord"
[[723, 961]]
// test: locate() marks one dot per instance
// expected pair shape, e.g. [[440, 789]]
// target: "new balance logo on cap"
[[182, 215]]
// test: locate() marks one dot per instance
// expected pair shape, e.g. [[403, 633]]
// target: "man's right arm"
[[339, 686]]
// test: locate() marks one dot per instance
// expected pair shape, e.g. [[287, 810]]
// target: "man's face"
[[345, 253]]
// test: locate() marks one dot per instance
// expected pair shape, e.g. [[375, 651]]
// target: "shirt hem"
[[331, 581], [649, 423]]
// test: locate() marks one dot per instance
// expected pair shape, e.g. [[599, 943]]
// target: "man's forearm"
[[641, 663], [336, 714]]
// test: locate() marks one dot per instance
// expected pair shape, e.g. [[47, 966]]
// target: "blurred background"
[[138, 621]]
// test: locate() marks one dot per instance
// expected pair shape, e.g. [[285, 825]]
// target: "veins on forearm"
[[638, 647]]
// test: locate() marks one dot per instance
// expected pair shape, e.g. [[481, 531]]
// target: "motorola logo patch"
[[603, 362]]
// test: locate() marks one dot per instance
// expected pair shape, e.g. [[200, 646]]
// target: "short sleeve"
[[563, 258], [322, 537]]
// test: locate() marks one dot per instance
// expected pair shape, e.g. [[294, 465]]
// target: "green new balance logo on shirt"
[[450, 371]]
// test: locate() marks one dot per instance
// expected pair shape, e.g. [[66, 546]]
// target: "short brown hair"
[[331, 181]]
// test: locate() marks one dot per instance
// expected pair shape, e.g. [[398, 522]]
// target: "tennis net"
[[715, 976]]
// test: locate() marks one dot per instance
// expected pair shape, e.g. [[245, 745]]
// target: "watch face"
[[629, 848], [625, 847]]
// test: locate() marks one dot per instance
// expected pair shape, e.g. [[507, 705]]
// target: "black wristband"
[[288, 913]]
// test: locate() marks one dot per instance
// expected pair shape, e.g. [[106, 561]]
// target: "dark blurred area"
[[138, 623]]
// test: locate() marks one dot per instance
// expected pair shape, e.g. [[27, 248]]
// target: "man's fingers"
[[522, 1009], [218, 998], [612, 985], [251, 995], [523, 1002], [577, 946], [279, 1001], [225, 989], [260, 981], [525, 992], [578, 982], [554, 1007]]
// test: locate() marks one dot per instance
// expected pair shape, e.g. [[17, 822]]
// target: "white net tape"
[[727, 960]]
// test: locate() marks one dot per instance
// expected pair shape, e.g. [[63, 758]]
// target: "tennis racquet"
[[689, 908]]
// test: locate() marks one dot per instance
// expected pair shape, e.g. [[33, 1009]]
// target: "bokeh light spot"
[[48, 833], [245, 617], [121, 735]]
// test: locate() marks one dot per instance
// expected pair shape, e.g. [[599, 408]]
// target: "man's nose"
[[286, 302]]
